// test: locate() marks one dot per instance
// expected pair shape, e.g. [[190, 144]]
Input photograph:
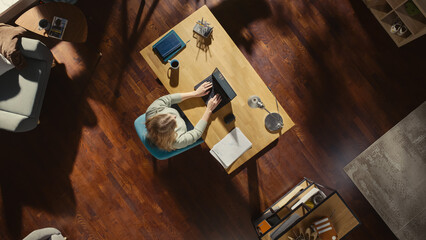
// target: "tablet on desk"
[[220, 86]]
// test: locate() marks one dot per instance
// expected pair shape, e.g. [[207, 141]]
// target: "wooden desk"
[[76, 29], [196, 64]]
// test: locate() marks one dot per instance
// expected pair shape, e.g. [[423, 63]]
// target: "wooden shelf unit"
[[332, 206], [387, 12]]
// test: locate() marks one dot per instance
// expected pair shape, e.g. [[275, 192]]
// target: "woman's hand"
[[211, 105], [203, 89], [213, 102]]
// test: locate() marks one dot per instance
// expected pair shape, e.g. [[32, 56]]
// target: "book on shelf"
[[58, 27], [283, 227], [231, 147]]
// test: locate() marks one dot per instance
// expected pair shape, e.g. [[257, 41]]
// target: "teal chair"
[[156, 152]]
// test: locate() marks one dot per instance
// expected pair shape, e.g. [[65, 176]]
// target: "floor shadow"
[[97, 20], [235, 16], [402, 78], [35, 166], [203, 45], [253, 184], [329, 85], [250, 166], [320, 69], [9, 86], [132, 39], [254, 158], [203, 183], [173, 75]]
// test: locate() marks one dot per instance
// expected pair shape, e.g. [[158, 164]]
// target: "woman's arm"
[[211, 105], [161, 103], [192, 136], [199, 92]]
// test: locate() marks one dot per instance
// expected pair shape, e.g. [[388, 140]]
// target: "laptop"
[[220, 86]]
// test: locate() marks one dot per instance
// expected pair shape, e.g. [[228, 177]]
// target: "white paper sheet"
[[231, 147]]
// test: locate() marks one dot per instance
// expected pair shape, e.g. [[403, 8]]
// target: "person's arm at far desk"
[[199, 92]]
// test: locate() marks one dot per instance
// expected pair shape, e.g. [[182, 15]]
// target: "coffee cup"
[[43, 24], [174, 64]]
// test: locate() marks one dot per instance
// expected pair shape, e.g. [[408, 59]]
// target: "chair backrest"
[[45, 233], [156, 152]]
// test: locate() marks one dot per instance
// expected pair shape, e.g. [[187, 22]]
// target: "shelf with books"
[[305, 203]]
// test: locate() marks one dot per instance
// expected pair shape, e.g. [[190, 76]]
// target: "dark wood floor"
[[84, 171]]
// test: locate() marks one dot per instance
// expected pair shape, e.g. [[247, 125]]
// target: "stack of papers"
[[231, 147]]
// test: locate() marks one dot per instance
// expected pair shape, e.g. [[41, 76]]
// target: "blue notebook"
[[168, 46]]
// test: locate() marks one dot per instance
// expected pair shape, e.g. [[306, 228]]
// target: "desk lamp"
[[273, 121]]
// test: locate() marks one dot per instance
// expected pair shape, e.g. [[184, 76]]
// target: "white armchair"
[[22, 91], [45, 234]]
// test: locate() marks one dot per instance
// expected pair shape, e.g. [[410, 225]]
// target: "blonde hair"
[[161, 131]]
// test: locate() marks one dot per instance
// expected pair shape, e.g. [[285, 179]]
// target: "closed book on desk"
[[231, 147], [168, 46]]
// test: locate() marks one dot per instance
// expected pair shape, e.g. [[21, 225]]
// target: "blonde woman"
[[167, 129]]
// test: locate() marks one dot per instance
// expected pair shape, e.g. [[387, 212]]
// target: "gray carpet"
[[391, 174]]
